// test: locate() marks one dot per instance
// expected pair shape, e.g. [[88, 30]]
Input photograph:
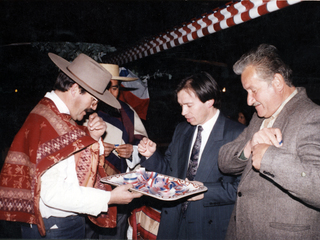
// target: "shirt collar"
[[268, 122], [62, 107], [275, 115], [207, 126]]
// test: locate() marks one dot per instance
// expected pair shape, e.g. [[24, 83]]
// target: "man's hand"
[[107, 148], [257, 154], [270, 136], [122, 195], [146, 147], [96, 126], [124, 150], [196, 197]]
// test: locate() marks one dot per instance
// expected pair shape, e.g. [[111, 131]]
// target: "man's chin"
[[81, 116], [192, 122], [261, 115]]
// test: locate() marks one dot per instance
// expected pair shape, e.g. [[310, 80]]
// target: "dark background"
[[121, 24]]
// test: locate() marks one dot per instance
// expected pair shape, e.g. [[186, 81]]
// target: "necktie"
[[193, 163]]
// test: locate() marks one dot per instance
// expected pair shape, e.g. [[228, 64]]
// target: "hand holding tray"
[[156, 185]]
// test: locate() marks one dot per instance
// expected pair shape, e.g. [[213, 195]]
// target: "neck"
[[211, 114], [287, 92], [63, 96]]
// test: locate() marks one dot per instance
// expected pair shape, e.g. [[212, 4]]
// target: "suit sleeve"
[[159, 163], [222, 192], [229, 161], [156, 163]]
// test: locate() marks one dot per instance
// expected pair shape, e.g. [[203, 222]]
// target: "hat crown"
[[90, 73], [114, 70], [111, 68]]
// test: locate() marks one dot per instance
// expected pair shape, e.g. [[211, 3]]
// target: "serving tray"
[[156, 185]]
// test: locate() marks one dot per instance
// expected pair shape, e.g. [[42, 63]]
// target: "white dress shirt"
[[207, 128], [61, 195]]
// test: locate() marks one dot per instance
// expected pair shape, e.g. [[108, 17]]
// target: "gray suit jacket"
[[282, 200], [207, 218]]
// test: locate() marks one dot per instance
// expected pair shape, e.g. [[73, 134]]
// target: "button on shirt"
[[61, 195], [207, 128]]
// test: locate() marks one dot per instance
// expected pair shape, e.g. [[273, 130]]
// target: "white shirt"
[[207, 128], [61, 195]]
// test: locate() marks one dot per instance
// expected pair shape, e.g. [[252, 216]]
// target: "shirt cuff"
[[135, 158], [242, 157], [101, 147]]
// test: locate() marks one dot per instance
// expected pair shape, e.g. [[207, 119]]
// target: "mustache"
[[255, 104]]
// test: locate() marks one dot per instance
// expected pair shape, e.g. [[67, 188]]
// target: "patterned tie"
[[193, 163]]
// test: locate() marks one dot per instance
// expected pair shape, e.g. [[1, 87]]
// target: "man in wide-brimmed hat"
[[50, 178], [124, 131]]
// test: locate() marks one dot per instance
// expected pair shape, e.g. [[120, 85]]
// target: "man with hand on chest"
[[277, 154], [51, 175]]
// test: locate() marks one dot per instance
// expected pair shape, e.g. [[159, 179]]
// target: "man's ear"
[[278, 82], [74, 89], [210, 103]]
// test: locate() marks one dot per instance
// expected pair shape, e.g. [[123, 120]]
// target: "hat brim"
[[124, 78], [106, 97]]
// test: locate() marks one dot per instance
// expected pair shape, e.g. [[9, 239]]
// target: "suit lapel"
[[289, 109], [209, 155], [185, 147]]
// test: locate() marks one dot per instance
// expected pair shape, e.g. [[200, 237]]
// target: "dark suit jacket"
[[207, 218]]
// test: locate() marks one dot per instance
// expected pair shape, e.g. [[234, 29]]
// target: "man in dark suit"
[[203, 216]]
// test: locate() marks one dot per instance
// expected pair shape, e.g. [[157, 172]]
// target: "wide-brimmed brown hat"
[[89, 75], [114, 70]]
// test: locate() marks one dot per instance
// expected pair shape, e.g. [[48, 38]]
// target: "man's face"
[[195, 111], [261, 94], [114, 88], [82, 104]]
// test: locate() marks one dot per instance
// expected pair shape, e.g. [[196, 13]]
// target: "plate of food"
[[156, 185]]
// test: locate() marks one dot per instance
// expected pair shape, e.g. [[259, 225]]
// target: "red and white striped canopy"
[[221, 18]]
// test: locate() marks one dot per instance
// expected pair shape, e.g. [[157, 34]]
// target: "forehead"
[[186, 95], [250, 78], [114, 82]]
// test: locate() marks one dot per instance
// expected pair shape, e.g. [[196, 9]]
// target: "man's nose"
[[183, 111], [250, 99]]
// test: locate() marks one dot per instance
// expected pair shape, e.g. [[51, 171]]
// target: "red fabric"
[[138, 231], [45, 138], [138, 104]]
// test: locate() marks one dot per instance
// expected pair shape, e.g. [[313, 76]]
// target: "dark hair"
[[267, 62], [64, 83], [109, 84], [204, 86]]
